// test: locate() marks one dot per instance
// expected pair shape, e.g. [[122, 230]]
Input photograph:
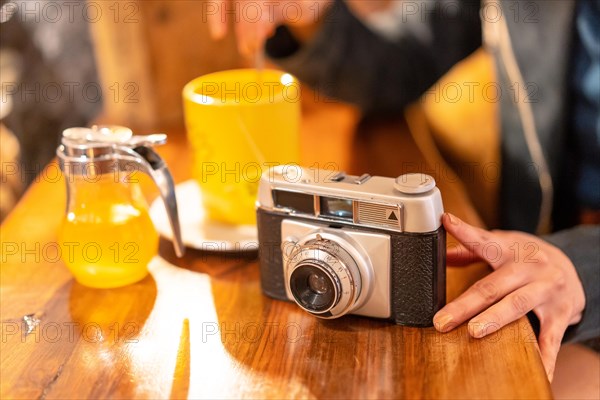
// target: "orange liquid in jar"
[[107, 237]]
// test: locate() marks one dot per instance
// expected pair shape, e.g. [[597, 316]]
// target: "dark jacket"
[[348, 61]]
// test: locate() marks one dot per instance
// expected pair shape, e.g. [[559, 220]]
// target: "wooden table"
[[200, 327]]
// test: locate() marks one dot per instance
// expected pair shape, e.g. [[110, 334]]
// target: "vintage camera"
[[366, 245]]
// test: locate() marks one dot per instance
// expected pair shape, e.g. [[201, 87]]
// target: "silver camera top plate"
[[408, 203]]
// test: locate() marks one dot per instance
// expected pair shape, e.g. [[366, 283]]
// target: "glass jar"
[[107, 237]]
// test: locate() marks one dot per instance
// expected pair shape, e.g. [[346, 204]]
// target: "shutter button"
[[414, 183]]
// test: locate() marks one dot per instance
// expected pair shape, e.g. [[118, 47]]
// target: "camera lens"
[[322, 277], [317, 284], [313, 288]]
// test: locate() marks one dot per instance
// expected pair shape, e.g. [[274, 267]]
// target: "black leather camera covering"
[[269, 253], [418, 275]]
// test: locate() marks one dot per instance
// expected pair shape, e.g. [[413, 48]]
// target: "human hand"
[[362, 9], [529, 274], [256, 20]]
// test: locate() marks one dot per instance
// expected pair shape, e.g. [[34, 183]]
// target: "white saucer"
[[196, 231]]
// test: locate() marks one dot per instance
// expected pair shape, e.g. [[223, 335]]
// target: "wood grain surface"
[[199, 327]]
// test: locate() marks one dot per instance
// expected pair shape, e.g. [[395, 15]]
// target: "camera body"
[[338, 244]]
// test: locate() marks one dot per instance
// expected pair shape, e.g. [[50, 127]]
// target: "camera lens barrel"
[[324, 279]]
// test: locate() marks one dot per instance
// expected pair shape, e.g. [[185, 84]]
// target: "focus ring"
[[332, 258]]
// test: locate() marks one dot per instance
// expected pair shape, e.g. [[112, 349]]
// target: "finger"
[[512, 307], [551, 334], [217, 23], [481, 295], [459, 255], [251, 35], [486, 245]]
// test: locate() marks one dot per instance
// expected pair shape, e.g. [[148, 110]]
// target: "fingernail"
[[476, 329], [217, 32], [479, 329], [443, 321], [243, 49], [213, 31], [453, 220]]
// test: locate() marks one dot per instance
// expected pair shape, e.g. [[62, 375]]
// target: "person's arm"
[[346, 60], [581, 245]]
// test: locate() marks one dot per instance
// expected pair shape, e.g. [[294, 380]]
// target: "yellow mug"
[[239, 123]]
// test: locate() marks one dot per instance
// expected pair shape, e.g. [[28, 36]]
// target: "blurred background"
[[125, 62]]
